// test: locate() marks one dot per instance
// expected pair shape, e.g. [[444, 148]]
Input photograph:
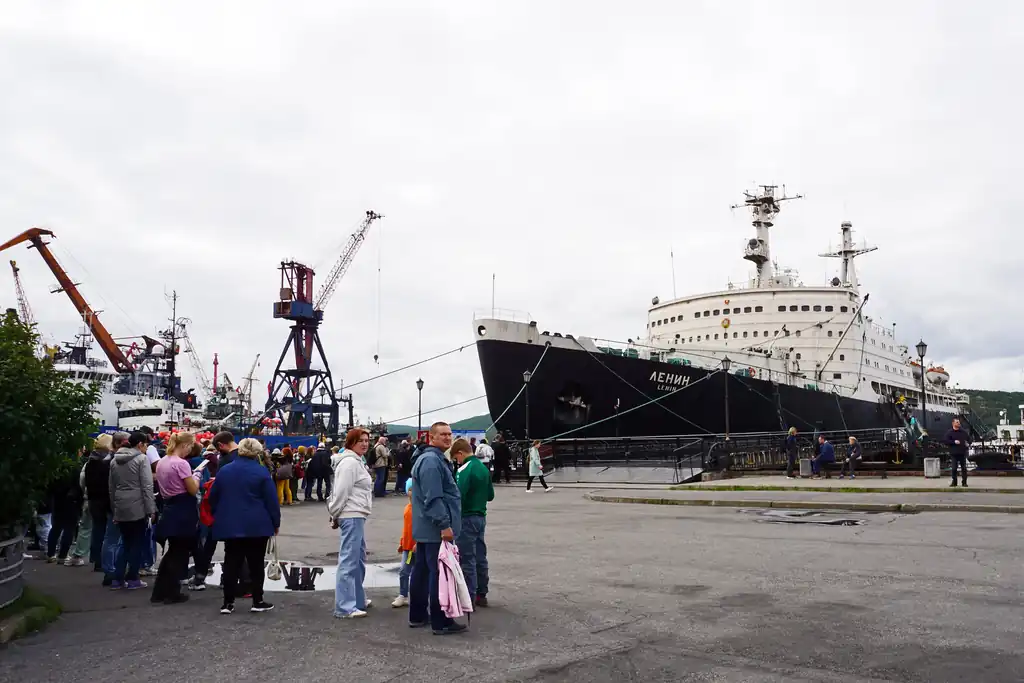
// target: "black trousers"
[[173, 566], [248, 550], [529, 482], [63, 525], [962, 461], [790, 464], [502, 468]]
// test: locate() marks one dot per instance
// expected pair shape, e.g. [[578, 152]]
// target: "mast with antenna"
[[764, 206]]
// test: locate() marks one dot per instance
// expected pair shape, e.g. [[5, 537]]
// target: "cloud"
[[564, 148]]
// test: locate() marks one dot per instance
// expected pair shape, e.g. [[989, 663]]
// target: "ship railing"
[[684, 454], [508, 314]]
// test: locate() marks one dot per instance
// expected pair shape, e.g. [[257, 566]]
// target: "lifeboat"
[[916, 368], [937, 375]]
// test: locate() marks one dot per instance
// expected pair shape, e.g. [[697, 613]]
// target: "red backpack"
[[205, 511]]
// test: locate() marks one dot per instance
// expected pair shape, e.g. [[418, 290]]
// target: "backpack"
[[205, 511]]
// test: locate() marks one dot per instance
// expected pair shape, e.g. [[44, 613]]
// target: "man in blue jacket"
[[436, 517], [825, 457]]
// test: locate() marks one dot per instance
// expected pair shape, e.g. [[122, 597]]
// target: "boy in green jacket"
[[474, 480]]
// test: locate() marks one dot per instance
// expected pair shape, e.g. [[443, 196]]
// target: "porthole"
[[482, 331]]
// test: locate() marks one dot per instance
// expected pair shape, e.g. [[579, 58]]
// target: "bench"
[[827, 467]]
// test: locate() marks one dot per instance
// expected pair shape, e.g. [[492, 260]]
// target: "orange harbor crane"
[[113, 352]]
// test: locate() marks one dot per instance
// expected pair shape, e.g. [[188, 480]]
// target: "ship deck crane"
[[298, 395], [113, 352], [23, 308]]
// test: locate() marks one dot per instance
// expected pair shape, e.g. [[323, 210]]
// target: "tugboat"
[[751, 358]]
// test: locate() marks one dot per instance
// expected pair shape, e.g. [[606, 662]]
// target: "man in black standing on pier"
[[958, 440], [502, 460]]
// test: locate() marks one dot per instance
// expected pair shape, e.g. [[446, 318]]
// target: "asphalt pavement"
[[590, 591]]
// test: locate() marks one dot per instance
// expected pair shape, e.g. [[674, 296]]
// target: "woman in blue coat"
[[246, 514]]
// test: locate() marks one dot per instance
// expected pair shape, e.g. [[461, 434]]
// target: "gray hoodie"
[[131, 486]]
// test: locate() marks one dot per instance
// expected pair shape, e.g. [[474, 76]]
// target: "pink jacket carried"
[[453, 593]]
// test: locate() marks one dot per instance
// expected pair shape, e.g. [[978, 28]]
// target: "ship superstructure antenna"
[[847, 251], [764, 207]]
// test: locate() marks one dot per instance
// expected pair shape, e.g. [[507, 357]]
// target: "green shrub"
[[44, 420]]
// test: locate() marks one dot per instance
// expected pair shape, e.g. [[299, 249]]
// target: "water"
[[298, 576], [808, 517]]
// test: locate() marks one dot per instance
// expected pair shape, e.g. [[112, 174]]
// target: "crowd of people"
[[134, 492]]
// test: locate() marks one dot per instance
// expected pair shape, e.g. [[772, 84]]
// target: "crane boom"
[[197, 365], [113, 352], [23, 308], [344, 261]]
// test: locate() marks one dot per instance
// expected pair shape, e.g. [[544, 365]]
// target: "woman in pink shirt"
[[179, 519]]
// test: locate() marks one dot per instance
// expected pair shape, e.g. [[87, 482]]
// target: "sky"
[[562, 149]]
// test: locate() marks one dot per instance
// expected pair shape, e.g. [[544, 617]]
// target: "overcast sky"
[[563, 146]]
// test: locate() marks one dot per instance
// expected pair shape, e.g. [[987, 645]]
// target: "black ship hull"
[[577, 394]]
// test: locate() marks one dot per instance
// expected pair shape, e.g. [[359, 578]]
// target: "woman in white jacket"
[[349, 505]]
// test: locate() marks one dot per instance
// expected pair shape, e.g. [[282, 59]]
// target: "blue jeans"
[[133, 535], [348, 590], [423, 588], [473, 554], [380, 487], [404, 573], [400, 479], [149, 547], [112, 549], [43, 526]]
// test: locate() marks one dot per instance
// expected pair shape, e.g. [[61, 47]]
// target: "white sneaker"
[[369, 602], [549, 488], [400, 601], [358, 614], [529, 490]]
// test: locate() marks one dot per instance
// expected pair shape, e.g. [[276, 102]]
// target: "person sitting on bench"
[[825, 458], [853, 456]]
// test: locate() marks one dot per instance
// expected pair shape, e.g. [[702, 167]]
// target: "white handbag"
[[274, 566]]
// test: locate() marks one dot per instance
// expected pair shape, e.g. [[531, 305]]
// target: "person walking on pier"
[[134, 504], [792, 450], [536, 468], [958, 440], [380, 467]]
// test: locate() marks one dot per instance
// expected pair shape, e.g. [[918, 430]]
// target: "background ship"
[[762, 357]]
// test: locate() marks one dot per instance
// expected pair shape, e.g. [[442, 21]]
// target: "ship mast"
[[848, 252], [764, 206]]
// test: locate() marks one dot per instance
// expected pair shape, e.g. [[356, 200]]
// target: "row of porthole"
[[747, 309]]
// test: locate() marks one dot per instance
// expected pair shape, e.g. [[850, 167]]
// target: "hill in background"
[[478, 424]]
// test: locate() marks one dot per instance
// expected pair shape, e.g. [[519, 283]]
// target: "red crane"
[[113, 352]]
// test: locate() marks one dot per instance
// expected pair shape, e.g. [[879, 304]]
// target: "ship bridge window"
[[766, 333], [716, 312], [744, 334], [843, 309], [725, 311], [755, 333], [746, 309], [867, 361], [697, 314], [817, 309], [707, 314], [698, 337], [830, 333], [735, 335], [782, 309], [842, 357], [829, 309], [805, 307], [672, 319], [793, 308], [798, 333], [665, 321], [691, 339], [758, 309], [837, 375]]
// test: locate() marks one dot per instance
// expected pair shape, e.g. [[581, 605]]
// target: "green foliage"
[[44, 420], [987, 404]]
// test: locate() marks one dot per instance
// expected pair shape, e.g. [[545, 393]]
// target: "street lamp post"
[[117, 407], [526, 390], [726, 365], [922, 349], [419, 417]]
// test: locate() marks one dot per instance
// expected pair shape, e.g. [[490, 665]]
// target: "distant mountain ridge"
[[474, 424]]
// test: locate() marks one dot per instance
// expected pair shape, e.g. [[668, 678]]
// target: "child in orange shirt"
[[406, 546]]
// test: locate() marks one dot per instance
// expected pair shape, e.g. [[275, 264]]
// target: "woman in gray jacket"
[[133, 505]]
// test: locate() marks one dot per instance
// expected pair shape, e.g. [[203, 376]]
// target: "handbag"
[[274, 566]]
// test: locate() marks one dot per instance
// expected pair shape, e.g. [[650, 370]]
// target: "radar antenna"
[[764, 207]]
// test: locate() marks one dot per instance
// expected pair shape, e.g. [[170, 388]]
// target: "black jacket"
[[960, 435], [502, 453], [97, 477], [403, 459], [319, 464]]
